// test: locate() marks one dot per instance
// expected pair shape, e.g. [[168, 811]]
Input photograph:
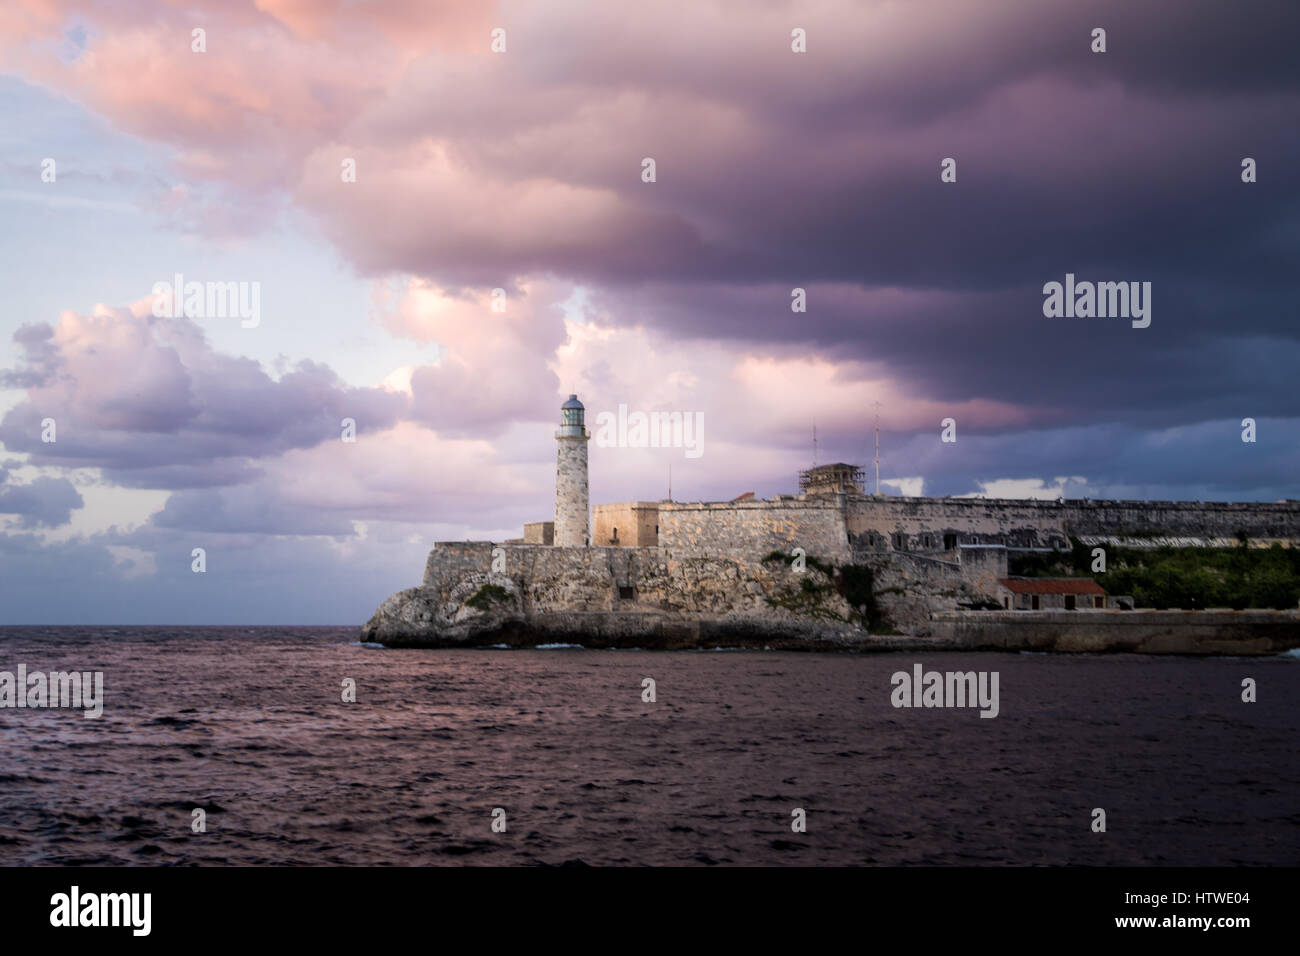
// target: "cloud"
[[1061, 487], [907, 487], [146, 400], [404, 473], [493, 370], [44, 502], [775, 170]]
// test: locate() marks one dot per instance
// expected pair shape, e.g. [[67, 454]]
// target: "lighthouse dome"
[[571, 413]]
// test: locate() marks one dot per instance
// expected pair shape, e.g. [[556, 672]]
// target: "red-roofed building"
[[1033, 594]]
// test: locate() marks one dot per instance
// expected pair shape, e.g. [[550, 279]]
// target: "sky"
[[449, 220]]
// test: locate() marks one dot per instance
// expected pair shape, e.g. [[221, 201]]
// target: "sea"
[[558, 756]]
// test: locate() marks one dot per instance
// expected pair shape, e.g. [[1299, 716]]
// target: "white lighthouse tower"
[[572, 527]]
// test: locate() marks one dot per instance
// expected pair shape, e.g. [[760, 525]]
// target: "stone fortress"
[[680, 574]]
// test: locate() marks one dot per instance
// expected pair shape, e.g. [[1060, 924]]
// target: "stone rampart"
[[927, 524], [750, 530]]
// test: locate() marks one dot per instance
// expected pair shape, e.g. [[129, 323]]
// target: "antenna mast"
[[877, 449], [814, 444]]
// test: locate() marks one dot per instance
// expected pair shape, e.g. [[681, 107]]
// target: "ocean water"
[[249, 724]]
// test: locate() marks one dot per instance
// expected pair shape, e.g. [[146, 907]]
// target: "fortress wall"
[[750, 530], [546, 578], [983, 567], [450, 559], [637, 524], [974, 575], [539, 532], [577, 579], [909, 586], [710, 555], [1190, 519], [874, 523]]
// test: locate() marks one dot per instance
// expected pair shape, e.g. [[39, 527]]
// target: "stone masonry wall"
[[1194, 519], [572, 518], [548, 578], [932, 523], [539, 532], [982, 567], [750, 530], [926, 523], [636, 522]]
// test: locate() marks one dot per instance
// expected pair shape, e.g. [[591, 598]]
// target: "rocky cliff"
[[520, 595]]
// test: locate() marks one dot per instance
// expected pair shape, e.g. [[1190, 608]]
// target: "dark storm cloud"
[[822, 171], [777, 170]]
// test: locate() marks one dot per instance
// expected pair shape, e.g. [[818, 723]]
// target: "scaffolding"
[[837, 478]]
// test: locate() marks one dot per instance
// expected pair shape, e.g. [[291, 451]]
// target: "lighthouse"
[[572, 529]]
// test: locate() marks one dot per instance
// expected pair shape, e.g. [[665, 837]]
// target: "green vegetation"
[[853, 582], [1191, 578], [807, 599], [484, 596]]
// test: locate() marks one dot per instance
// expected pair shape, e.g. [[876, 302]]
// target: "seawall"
[[1141, 631]]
